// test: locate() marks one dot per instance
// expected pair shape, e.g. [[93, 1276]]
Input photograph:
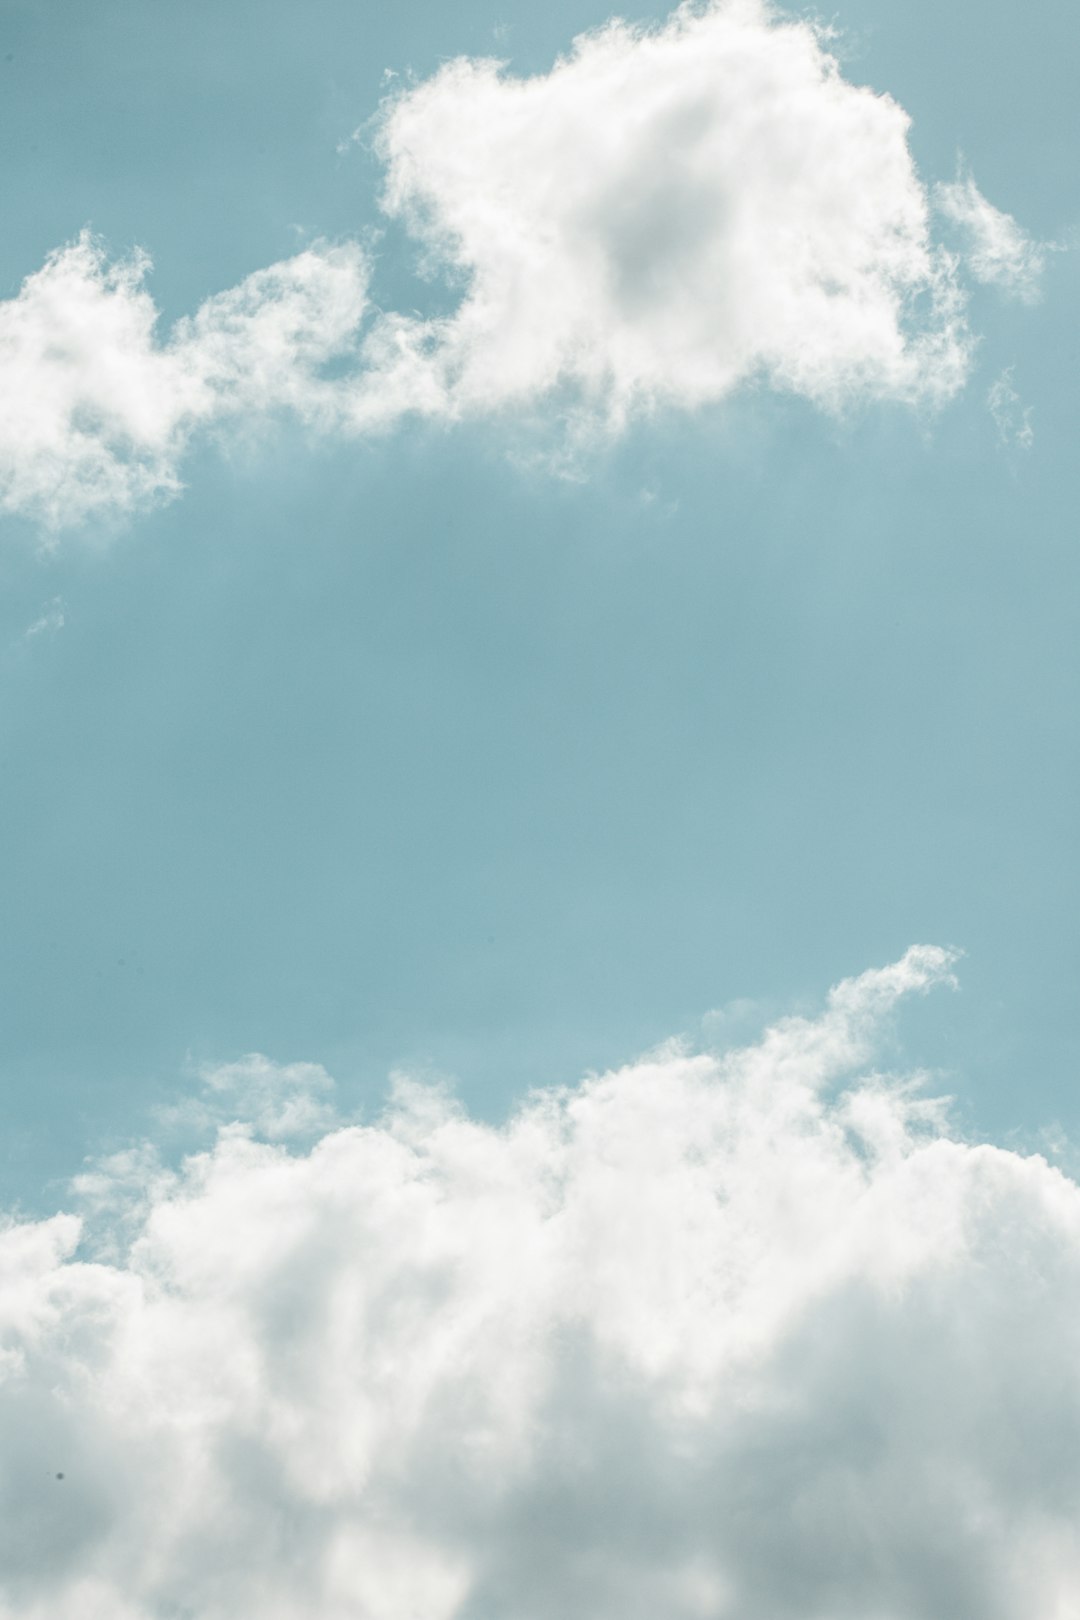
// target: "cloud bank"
[[744, 1335], [671, 213]]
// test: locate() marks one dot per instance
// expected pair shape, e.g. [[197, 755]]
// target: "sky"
[[538, 674]]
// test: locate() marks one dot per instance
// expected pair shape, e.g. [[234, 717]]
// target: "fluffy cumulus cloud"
[[670, 213], [745, 1335], [97, 408]]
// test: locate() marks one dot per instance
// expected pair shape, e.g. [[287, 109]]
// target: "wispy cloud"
[[740, 1335], [49, 622], [997, 251], [1012, 417], [279, 1101]]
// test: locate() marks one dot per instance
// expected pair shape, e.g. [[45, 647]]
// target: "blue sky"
[[401, 752], [511, 664]]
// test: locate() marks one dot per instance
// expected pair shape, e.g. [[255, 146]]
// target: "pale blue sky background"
[[397, 755]]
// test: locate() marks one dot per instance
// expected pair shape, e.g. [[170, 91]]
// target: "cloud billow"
[[743, 1335], [669, 214], [96, 412]]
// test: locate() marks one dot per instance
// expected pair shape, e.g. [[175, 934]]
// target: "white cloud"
[[1012, 418], [51, 620], [96, 410], [670, 214], [744, 1336], [280, 1101], [998, 251]]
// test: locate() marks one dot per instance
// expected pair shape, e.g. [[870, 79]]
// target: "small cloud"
[[1054, 1141], [98, 409], [278, 1101], [651, 498], [739, 1019], [998, 251], [51, 620], [1011, 416]]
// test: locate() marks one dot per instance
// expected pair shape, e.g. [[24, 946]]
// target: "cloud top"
[[743, 1334]]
